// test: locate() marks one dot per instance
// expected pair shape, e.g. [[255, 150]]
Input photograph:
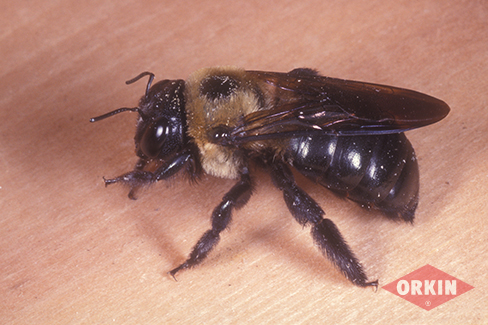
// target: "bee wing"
[[302, 101]]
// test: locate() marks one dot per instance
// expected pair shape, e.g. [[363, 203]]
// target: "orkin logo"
[[428, 287]]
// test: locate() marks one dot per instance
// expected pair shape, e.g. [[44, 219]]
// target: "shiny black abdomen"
[[378, 171]]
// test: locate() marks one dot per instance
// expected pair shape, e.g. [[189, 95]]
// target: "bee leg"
[[139, 177], [237, 197], [324, 232]]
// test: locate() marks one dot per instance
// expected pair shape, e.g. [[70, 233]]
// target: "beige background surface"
[[74, 252]]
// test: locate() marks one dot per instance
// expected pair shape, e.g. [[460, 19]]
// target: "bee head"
[[162, 122]]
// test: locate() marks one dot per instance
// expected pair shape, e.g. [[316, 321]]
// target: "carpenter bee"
[[345, 135]]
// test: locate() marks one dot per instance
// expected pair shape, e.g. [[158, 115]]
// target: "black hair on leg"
[[237, 197], [324, 232]]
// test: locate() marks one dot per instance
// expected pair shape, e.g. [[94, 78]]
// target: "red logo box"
[[428, 287]]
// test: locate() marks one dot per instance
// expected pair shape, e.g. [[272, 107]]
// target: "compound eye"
[[154, 138]]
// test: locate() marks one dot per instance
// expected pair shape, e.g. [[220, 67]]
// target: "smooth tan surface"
[[74, 252]]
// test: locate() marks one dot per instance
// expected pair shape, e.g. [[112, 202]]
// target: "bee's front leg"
[[139, 177]]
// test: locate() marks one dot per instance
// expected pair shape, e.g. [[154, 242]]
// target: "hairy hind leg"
[[324, 232]]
